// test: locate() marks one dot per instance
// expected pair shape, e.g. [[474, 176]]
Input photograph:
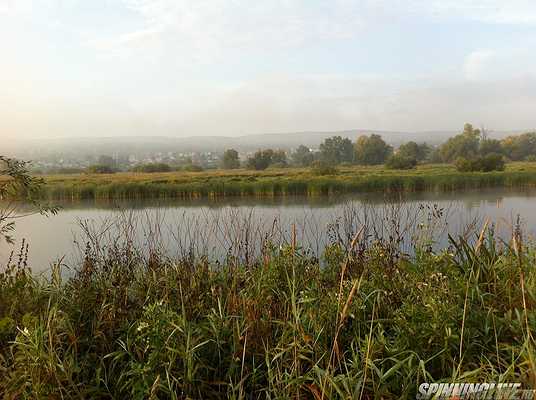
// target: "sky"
[[78, 68]]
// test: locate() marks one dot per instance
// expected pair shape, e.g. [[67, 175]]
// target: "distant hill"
[[140, 145]]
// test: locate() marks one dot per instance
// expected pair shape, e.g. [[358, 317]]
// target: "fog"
[[73, 69]]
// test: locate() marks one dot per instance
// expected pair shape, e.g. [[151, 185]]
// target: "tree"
[[279, 158], [464, 145], [152, 167], [490, 162], [371, 150], [100, 169], [17, 185], [419, 152], [260, 160], [488, 146], [336, 150], [519, 147], [400, 161], [230, 159], [303, 156], [106, 160]]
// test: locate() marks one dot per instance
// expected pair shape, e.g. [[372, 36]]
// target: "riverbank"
[[280, 182], [372, 322]]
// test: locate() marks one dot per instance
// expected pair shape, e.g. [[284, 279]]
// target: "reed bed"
[[378, 311], [281, 182]]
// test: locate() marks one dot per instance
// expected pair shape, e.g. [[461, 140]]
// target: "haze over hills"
[[145, 144]]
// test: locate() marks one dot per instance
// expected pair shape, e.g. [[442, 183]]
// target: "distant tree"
[[490, 162], [303, 156], [17, 184], [192, 168], [279, 158], [519, 147], [464, 145], [106, 160], [488, 146], [400, 161], [152, 168], [337, 150], [260, 160], [230, 159], [419, 152], [100, 169], [371, 150]]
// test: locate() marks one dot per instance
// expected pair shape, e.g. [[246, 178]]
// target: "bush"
[[398, 161], [152, 167], [463, 165], [320, 168], [193, 168], [491, 162], [100, 169]]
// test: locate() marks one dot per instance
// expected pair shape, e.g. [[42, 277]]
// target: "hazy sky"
[[232, 67]]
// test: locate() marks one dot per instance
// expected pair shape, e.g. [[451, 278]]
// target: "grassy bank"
[[371, 323], [280, 182]]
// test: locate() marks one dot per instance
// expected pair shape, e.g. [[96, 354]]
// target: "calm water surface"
[[237, 226]]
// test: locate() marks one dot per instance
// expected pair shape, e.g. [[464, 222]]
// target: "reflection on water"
[[235, 227]]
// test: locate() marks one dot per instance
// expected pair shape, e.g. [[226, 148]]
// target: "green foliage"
[[371, 150], [192, 168], [490, 146], [8, 330], [464, 145], [100, 169], [412, 150], [152, 168], [262, 159], [373, 322], [401, 161], [230, 159], [302, 157], [490, 162], [519, 147], [320, 168], [336, 150], [17, 184]]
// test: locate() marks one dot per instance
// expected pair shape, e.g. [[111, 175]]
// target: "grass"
[[367, 322], [280, 182]]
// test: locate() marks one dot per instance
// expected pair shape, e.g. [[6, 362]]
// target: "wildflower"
[[142, 326]]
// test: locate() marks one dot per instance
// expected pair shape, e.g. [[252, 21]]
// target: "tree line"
[[470, 150]]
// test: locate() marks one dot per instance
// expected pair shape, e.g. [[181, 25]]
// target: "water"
[[238, 226]]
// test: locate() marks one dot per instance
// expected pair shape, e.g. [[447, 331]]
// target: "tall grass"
[[282, 183], [366, 319]]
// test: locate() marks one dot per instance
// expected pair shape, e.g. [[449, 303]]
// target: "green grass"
[[370, 323], [280, 182]]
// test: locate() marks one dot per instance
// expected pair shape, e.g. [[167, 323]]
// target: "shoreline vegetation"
[[280, 182], [364, 319]]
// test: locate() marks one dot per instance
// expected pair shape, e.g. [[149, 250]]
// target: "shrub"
[[320, 168], [100, 169], [491, 162], [399, 161], [152, 167], [192, 168]]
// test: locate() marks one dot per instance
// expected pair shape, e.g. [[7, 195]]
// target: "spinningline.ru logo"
[[470, 391]]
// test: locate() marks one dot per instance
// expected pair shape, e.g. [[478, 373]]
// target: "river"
[[236, 227]]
